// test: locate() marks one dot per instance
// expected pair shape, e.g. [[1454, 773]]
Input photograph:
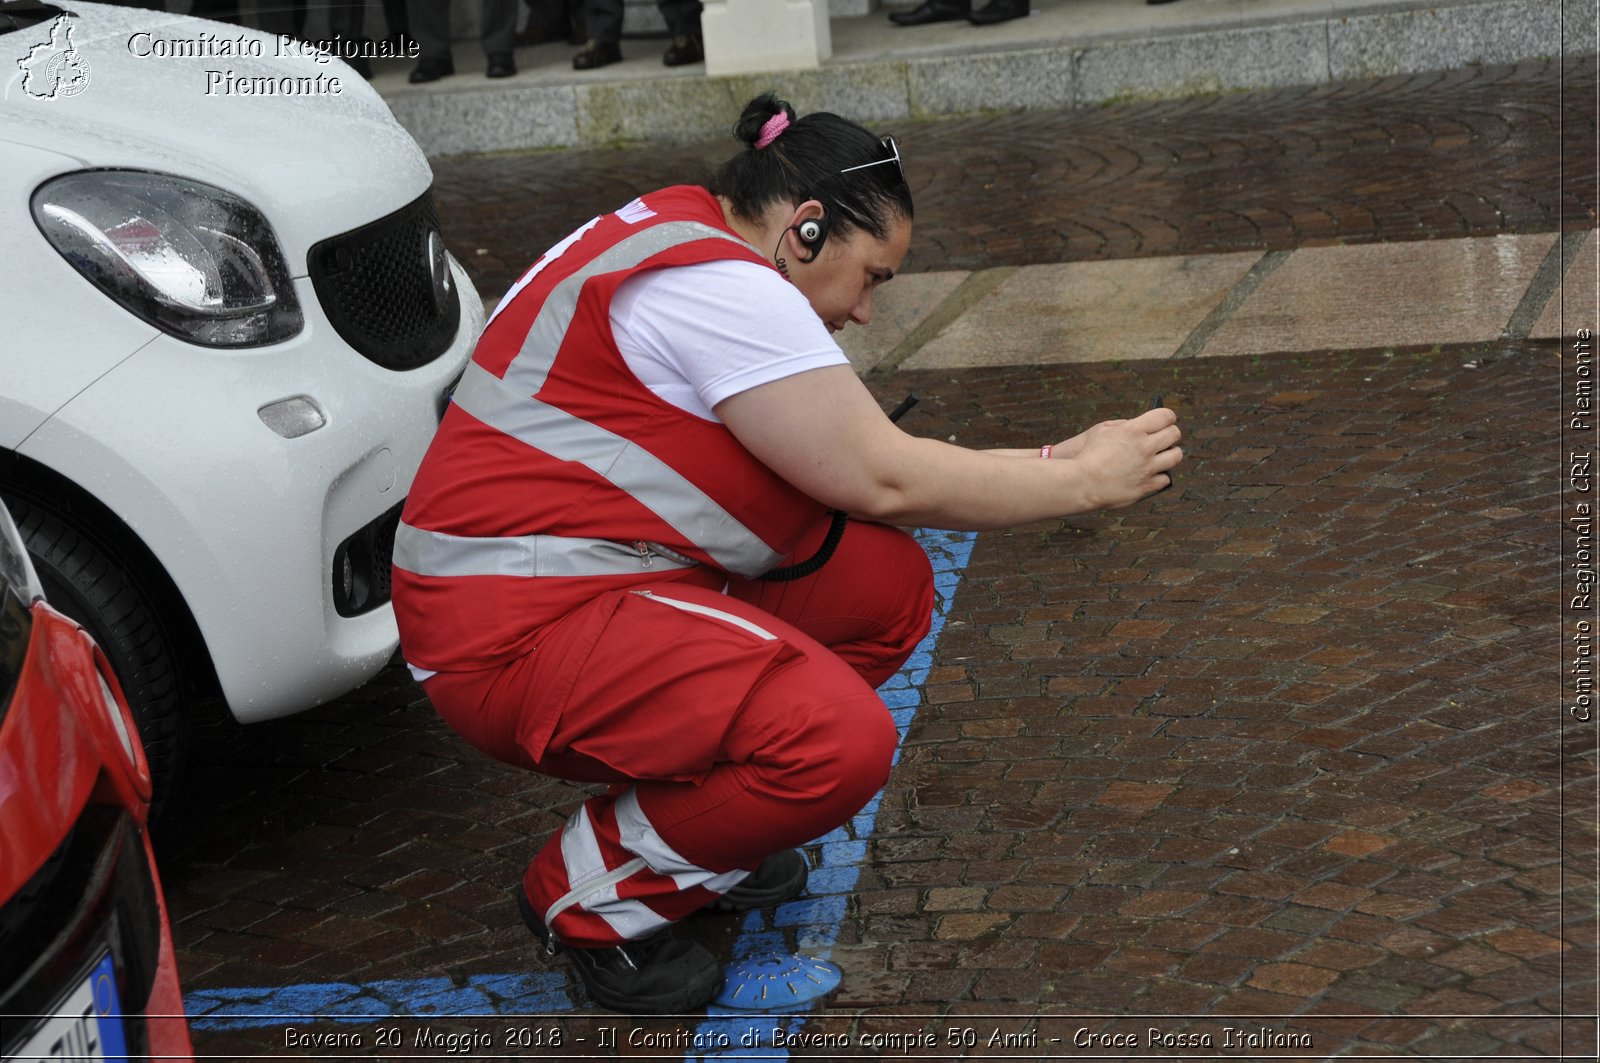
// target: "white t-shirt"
[[695, 335]]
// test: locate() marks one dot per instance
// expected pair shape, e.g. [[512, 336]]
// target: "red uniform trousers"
[[731, 725]]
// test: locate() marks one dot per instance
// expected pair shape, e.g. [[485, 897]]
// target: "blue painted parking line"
[[810, 925]]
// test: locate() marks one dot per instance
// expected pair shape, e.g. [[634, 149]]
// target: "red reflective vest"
[[556, 475]]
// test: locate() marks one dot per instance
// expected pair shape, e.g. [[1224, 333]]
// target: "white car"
[[229, 327]]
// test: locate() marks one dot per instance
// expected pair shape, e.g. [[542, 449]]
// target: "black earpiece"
[[813, 233]]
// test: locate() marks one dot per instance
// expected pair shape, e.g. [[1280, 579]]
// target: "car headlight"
[[188, 257]]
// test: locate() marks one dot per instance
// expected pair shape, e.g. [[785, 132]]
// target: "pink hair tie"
[[771, 129]]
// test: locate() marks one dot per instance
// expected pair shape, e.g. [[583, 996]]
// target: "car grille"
[[383, 553], [387, 287]]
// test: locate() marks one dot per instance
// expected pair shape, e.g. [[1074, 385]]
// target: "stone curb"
[[1297, 48]]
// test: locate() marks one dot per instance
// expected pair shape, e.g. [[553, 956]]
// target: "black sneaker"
[[658, 975], [781, 877]]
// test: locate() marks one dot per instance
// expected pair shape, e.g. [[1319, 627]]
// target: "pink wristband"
[[1044, 451]]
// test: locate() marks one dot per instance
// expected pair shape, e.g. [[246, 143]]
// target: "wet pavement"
[[1473, 152], [1275, 764]]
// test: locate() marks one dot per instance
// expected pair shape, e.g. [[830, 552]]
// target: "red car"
[[86, 960]]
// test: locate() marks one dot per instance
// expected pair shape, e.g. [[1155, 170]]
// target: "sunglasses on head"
[[893, 148]]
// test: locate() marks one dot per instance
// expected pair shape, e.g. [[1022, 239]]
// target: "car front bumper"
[[248, 523]]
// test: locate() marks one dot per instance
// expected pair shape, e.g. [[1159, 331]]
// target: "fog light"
[[292, 418], [359, 581], [352, 566]]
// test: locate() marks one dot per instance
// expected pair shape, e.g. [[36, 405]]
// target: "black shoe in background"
[[431, 70], [501, 65], [999, 11], [597, 54], [932, 11], [684, 50]]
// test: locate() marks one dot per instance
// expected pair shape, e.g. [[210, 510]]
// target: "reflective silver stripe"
[[594, 889], [631, 469], [705, 610], [640, 837], [429, 553], [630, 919], [589, 881], [531, 366]]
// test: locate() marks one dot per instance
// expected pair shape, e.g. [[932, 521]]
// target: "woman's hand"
[[1125, 460]]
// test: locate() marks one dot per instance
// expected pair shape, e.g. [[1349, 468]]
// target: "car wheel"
[[92, 586]]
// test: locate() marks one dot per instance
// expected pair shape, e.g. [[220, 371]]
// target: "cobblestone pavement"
[[1279, 752], [1464, 153]]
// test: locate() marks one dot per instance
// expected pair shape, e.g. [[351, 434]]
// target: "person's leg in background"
[[576, 20], [286, 18], [428, 22], [397, 29], [498, 31], [553, 20], [603, 21], [683, 26], [346, 19]]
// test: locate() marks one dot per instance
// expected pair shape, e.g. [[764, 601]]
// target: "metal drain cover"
[[775, 983]]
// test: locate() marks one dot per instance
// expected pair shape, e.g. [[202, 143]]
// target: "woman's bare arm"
[[823, 432]]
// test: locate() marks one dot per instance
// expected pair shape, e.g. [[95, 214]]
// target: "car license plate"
[[86, 1024]]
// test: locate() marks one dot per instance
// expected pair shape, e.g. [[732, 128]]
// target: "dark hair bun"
[[756, 114], [822, 157]]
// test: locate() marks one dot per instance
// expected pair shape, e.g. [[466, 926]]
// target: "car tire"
[[91, 585]]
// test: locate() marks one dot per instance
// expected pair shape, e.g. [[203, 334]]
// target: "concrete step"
[[1068, 53]]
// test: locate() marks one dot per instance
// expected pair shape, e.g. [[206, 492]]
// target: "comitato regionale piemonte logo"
[[55, 69]]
